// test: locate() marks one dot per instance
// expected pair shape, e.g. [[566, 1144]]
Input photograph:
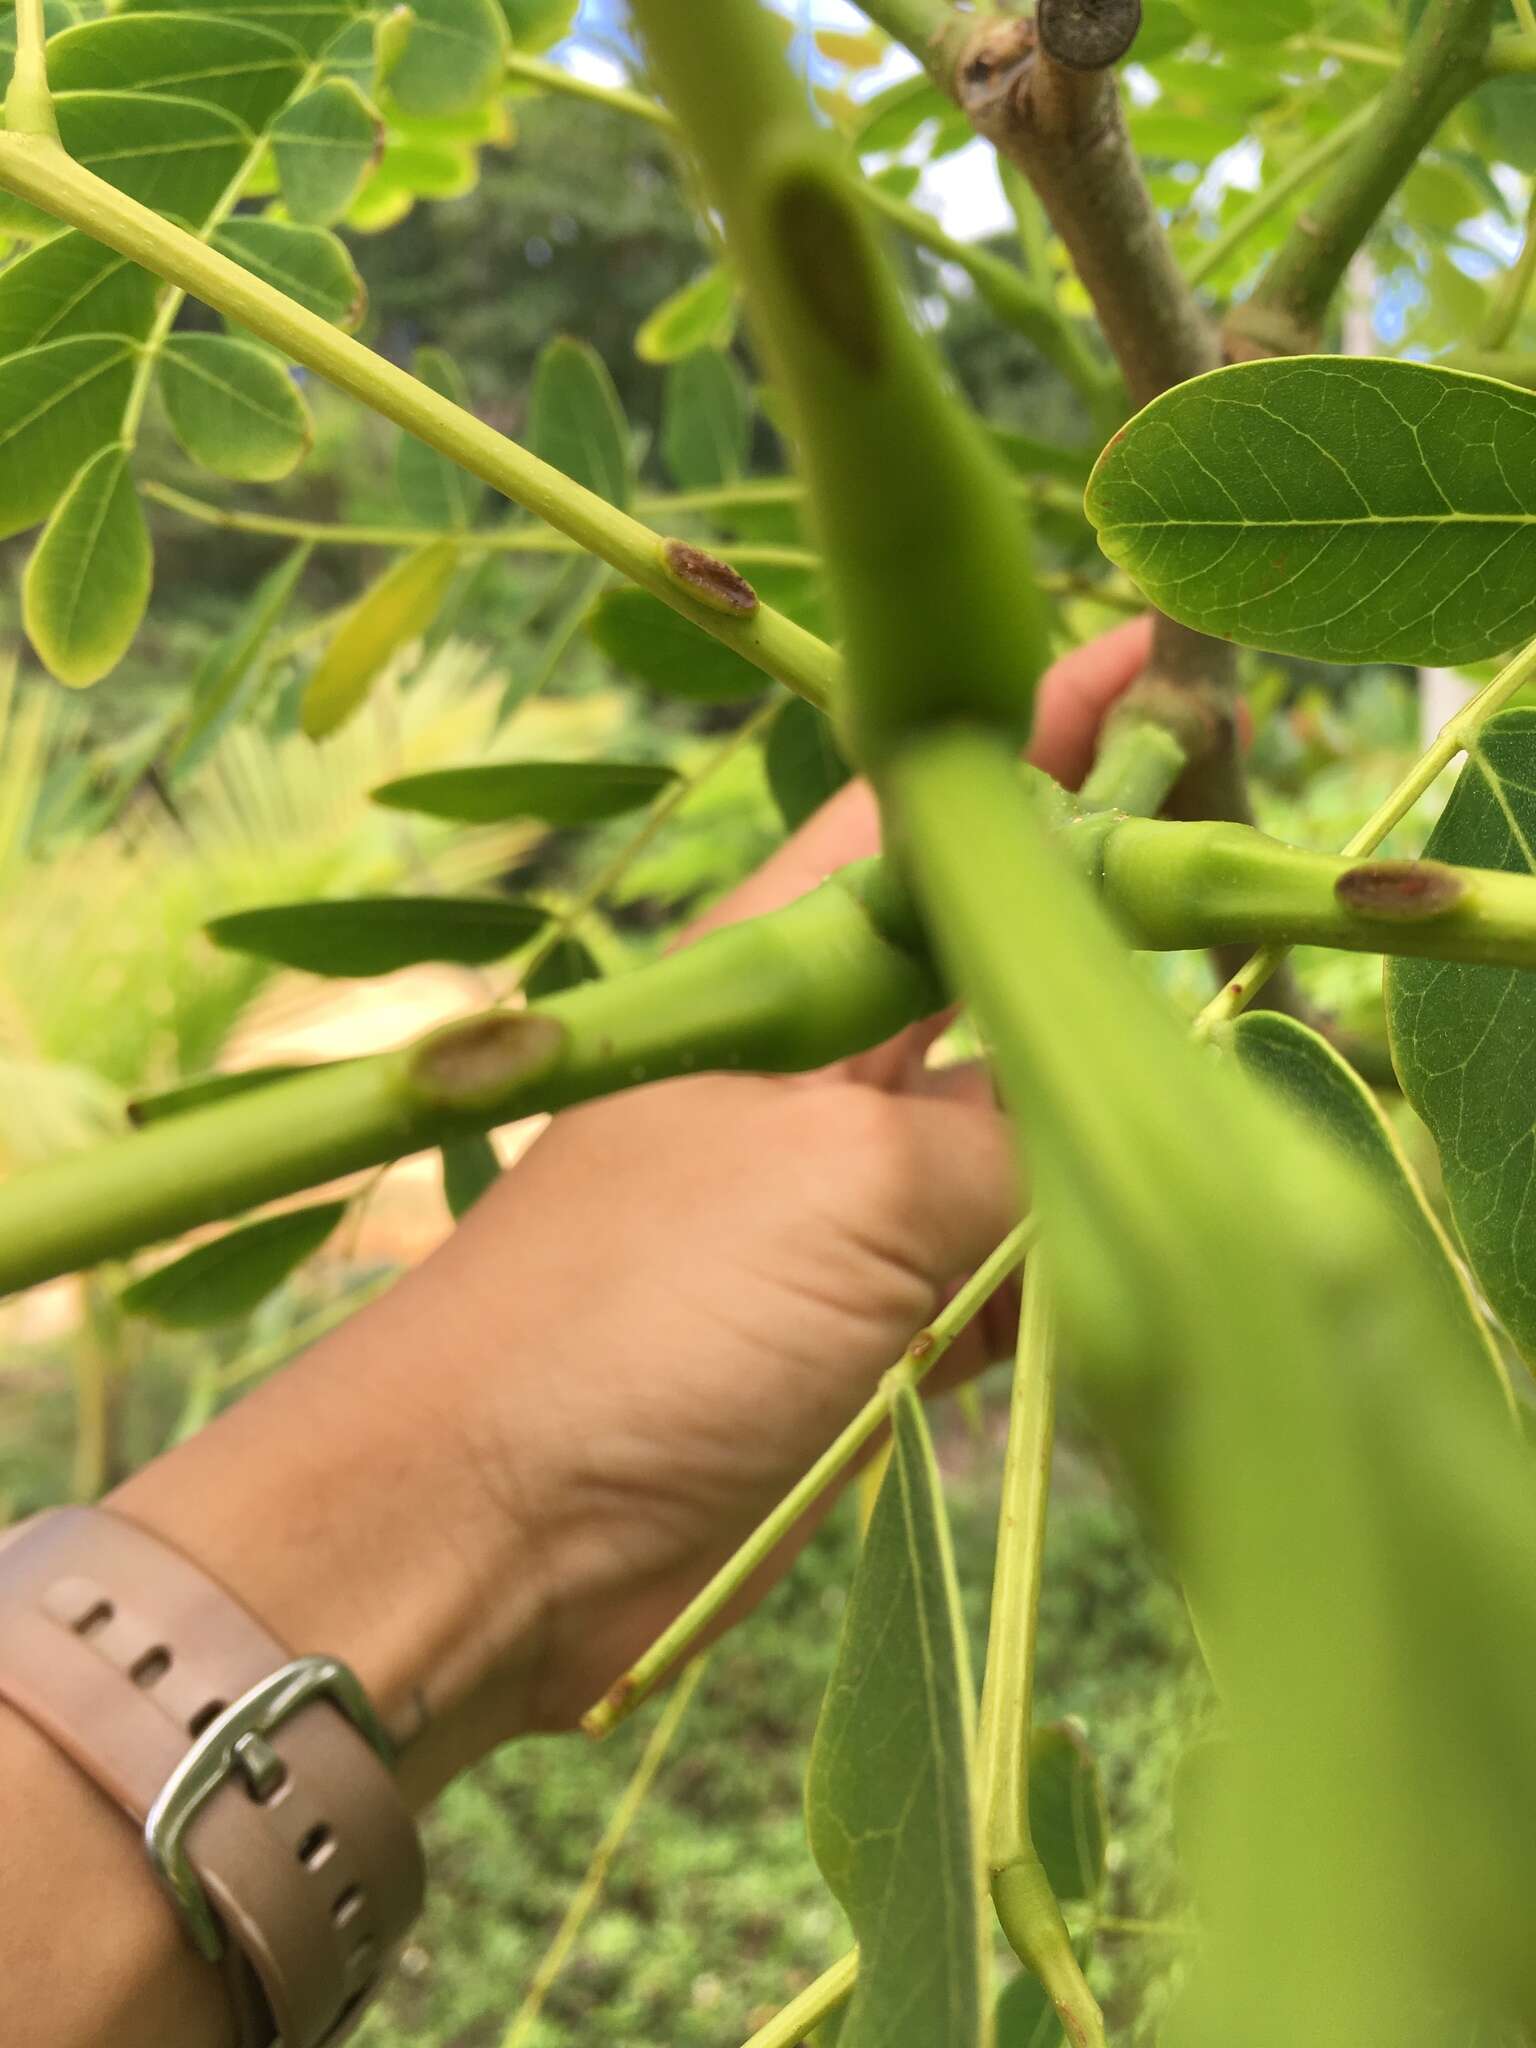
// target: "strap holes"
[[205, 1717], [149, 1669], [95, 1618], [347, 1905], [316, 1846]]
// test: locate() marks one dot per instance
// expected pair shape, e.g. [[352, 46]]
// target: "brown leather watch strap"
[[127, 1655]]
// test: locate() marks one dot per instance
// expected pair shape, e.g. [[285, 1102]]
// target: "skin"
[[490, 1490]]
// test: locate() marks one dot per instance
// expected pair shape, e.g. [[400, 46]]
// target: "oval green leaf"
[[233, 407], [577, 423], [236, 66], [1462, 1036], [888, 1798], [308, 265], [539, 24], [396, 610], [87, 584], [1067, 1820], [378, 934], [555, 792], [451, 58], [59, 406], [172, 155], [324, 146], [73, 286], [235, 1274], [701, 315], [1338, 508], [706, 420], [656, 645]]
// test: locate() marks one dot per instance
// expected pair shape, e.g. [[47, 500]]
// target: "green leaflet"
[[577, 423], [306, 264], [470, 1170], [452, 56], [657, 646], [88, 581], [567, 965], [367, 935], [889, 1794], [706, 420], [247, 71], [234, 407], [539, 24], [701, 315], [1325, 1089], [73, 286], [177, 156], [59, 405], [1340, 508], [393, 612], [803, 763], [312, 24], [433, 490], [235, 1273], [556, 792], [224, 682], [324, 146], [1068, 1825], [1462, 1036]]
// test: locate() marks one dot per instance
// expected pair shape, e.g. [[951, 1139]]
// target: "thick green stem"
[[1136, 767], [1030, 1918], [808, 985], [28, 102], [38, 170], [1274, 193], [1511, 56], [793, 2026], [1445, 59], [706, 1608]]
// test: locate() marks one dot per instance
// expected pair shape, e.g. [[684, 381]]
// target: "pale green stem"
[[1136, 766], [1146, 1930], [1453, 738], [1511, 55], [1007, 1696], [28, 102], [1274, 193], [617, 98], [919, 1359], [1526, 14], [590, 1890], [1505, 316], [40, 171], [793, 2027], [1347, 52]]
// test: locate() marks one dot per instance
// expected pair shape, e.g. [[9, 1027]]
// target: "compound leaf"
[[889, 1794], [378, 934], [1339, 508], [87, 584], [234, 1274]]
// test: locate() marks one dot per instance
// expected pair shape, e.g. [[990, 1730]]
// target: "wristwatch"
[[260, 1781]]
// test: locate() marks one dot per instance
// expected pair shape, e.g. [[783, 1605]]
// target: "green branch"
[[617, 99], [28, 102], [39, 170], [792, 2027], [1274, 193], [1445, 59]]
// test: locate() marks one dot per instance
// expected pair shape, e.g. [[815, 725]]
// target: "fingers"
[[1076, 693], [960, 1187]]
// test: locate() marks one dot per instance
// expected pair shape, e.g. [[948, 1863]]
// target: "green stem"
[[28, 102], [617, 98], [1444, 61], [1505, 316], [706, 1607], [37, 170], [1526, 13], [1274, 193], [1511, 56], [1457, 734], [1030, 1918], [792, 2027], [1137, 765], [758, 996], [1347, 52], [590, 1890]]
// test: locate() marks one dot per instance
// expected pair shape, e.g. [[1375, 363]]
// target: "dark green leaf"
[[803, 763], [1462, 1036], [87, 584], [223, 683], [377, 934], [656, 645], [306, 264], [388, 616], [323, 146], [452, 56], [59, 406], [567, 965], [169, 1102], [577, 423], [233, 407], [1026, 2018], [1343, 509], [433, 490], [234, 65], [235, 1273], [889, 1794], [1067, 1822], [706, 420], [470, 1169], [701, 315], [556, 792]]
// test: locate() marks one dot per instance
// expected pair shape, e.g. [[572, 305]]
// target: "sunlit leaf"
[[388, 616], [452, 55], [233, 406], [1340, 508], [889, 1792], [88, 581], [706, 420], [234, 1274], [539, 24], [701, 315], [324, 145], [555, 792], [378, 934], [656, 645], [577, 423], [1067, 1821]]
